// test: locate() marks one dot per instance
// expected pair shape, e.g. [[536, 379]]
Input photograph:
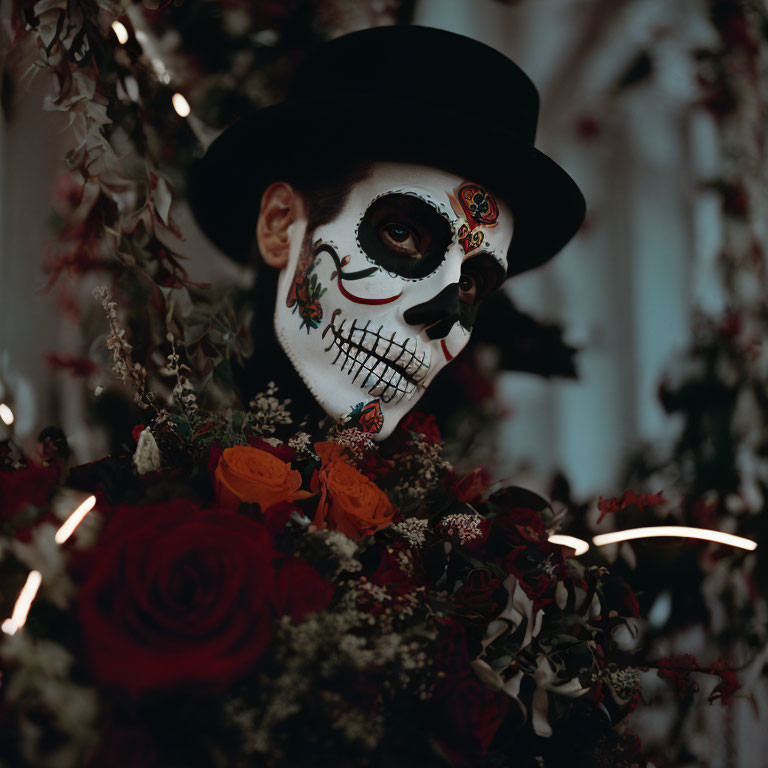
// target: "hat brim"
[[225, 185]]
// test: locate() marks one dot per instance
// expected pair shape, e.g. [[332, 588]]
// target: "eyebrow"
[[500, 260]]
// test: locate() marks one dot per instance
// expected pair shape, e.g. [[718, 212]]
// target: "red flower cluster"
[[470, 713], [29, 486], [180, 594], [422, 424], [678, 670], [629, 498]]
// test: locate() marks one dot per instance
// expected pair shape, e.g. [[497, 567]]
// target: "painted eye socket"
[[404, 235], [481, 275], [400, 239]]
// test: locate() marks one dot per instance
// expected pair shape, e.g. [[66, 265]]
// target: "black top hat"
[[404, 93]]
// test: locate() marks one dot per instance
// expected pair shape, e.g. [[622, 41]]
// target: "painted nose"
[[438, 315]]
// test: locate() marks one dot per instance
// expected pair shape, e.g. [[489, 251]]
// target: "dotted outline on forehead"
[[500, 258], [439, 207]]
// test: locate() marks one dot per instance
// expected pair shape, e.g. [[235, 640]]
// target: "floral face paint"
[[373, 304]]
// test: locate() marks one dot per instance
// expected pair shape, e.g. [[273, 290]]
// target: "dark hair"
[[324, 185], [325, 188]]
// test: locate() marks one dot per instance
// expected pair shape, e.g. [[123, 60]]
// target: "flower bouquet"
[[248, 591]]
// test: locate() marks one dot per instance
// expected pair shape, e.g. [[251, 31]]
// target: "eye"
[[480, 276], [404, 235], [400, 238], [467, 289]]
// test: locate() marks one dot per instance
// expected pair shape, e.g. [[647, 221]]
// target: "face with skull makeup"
[[372, 305]]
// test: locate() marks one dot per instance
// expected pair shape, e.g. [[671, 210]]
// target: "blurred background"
[[656, 108], [620, 111]]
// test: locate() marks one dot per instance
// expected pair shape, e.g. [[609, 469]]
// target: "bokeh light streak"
[[69, 525], [23, 604], [181, 105], [680, 531], [120, 32], [6, 414], [579, 546]]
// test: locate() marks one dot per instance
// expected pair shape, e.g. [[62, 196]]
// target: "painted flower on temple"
[[305, 293]]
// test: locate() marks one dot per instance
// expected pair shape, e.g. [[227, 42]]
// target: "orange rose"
[[349, 501], [246, 474]]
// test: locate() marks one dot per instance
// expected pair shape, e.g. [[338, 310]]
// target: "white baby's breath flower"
[[267, 412], [344, 550], [301, 443], [413, 530], [466, 527], [42, 679]]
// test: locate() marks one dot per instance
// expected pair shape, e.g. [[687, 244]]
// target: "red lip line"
[[448, 355], [358, 300]]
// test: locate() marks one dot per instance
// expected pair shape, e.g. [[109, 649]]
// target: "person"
[[393, 191]]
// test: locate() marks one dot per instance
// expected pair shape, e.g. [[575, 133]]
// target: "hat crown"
[[418, 69], [400, 94]]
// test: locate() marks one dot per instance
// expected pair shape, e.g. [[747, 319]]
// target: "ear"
[[281, 206]]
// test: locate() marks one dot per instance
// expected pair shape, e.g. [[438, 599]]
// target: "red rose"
[[518, 514], [538, 570], [277, 516], [175, 594], [390, 573], [29, 486], [451, 654], [283, 452], [472, 715], [472, 486], [422, 424], [520, 525], [375, 467], [299, 589], [478, 596]]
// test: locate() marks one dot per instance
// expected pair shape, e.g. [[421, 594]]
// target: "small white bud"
[[147, 456]]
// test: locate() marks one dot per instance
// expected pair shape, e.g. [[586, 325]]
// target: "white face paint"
[[373, 304]]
